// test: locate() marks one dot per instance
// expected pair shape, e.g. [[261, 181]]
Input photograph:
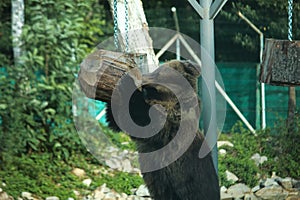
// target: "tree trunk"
[[140, 41], [291, 110], [17, 25]]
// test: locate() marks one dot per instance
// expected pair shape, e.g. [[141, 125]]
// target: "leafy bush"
[[283, 147], [36, 95], [237, 159], [37, 175], [275, 144]]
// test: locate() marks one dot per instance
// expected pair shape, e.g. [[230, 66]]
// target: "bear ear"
[[192, 68]]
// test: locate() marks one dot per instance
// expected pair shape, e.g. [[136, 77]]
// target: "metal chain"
[[126, 27], [116, 31], [290, 20]]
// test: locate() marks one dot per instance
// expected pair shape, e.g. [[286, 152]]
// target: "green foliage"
[[237, 159], [280, 147], [283, 147], [120, 139], [120, 181], [5, 32], [40, 176], [269, 16], [58, 34], [43, 177], [36, 95]]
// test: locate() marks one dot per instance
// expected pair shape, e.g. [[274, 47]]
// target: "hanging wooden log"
[[281, 63], [101, 71]]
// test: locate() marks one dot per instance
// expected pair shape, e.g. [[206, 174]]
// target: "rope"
[[126, 27], [116, 32], [290, 19]]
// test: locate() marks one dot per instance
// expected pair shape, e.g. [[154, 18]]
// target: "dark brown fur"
[[189, 177]]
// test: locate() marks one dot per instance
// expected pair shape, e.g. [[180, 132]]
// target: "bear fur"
[[189, 177]]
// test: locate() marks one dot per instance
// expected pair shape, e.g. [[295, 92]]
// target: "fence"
[[240, 84]]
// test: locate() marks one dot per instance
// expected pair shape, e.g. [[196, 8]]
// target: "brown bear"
[[188, 177]]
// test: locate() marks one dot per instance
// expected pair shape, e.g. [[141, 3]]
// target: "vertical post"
[[208, 10], [17, 25], [173, 9], [208, 77], [258, 100], [262, 86], [178, 49], [263, 96]]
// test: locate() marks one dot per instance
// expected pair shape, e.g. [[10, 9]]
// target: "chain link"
[[116, 31], [290, 20], [126, 27]]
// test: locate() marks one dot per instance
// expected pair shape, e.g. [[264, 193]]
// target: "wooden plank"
[[281, 63]]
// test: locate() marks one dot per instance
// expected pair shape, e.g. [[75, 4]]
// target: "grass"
[[43, 175], [40, 175]]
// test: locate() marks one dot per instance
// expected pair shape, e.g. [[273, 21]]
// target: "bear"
[[188, 177]]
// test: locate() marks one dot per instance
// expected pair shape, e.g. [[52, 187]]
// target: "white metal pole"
[[208, 78], [173, 9], [263, 96], [17, 26], [262, 86], [208, 10]]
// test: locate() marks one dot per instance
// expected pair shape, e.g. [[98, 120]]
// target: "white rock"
[[256, 158], [133, 190], [3, 184], [274, 175], [263, 159], [272, 192], [269, 182], [77, 193], [98, 195], [70, 198], [259, 159], [238, 190], [104, 189], [287, 183], [87, 182], [127, 166], [231, 176], [223, 189], [52, 198], [1, 190], [142, 191], [224, 143], [78, 172], [110, 196], [226, 196], [222, 152], [26, 195], [123, 195], [4, 196], [250, 196], [113, 163], [256, 188]]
